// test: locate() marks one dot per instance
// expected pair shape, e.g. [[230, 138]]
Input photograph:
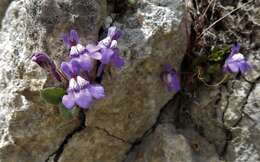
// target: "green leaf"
[[65, 113], [218, 53], [53, 95], [214, 69], [132, 2]]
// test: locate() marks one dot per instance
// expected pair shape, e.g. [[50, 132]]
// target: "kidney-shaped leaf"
[[53, 95]]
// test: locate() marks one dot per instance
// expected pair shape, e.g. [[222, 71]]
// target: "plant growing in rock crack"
[[235, 63], [170, 78], [79, 74]]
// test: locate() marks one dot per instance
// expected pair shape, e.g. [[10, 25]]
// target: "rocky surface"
[[3, 6], [227, 116], [138, 121], [161, 146], [32, 130], [151, 35]]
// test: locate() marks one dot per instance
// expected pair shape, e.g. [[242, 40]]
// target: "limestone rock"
[[202, 150], [93, 144], [168, 144], [165, 144], [3, 6], [31, 130], [152, 36], [245, 145]]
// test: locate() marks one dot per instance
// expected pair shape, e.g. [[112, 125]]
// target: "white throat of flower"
[[113, 44], [238, 57], [73, 86], [77, 50], [82, 82], [106, 42], [169, 78]]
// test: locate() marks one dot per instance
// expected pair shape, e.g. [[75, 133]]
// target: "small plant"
[[171, 79], [235, 63], [79, 74]]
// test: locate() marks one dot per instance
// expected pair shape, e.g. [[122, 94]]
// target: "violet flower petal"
[[43, 60], [233, 67], [66, 69], [235, 48], [97, 91], [91, 48], [86, 62], [74, 38], [96, 55], [93, 51], [70, 69], [71, 40], [114, 33], [117, 61], [236, 63], [83, 98], [171, 78], [244, 66], [174, 85], [66, 40], [106, 55], [68, 101]]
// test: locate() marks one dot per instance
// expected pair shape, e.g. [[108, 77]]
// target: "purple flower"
[[72, 42], [236, 61], [72, 39], [43, 60], [85, 57], [114, 33], [94, 51], [109, 50], [80, 92], [71, 69], [170, 78]]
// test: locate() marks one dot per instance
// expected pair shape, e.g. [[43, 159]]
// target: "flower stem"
[[210, 85]]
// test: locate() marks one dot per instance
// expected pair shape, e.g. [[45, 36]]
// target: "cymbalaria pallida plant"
[[234, 64], [171, 78], [236, 61], [78, 73]]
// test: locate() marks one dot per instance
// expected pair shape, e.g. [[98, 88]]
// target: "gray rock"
[[168, 144], [202, 150], [30, 129], [165, 145], [153, 36], [93, 144], [237, 98], [245, 145], [207, 119], [3, 6]]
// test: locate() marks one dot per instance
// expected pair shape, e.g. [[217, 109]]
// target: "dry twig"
[[214, 23]]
